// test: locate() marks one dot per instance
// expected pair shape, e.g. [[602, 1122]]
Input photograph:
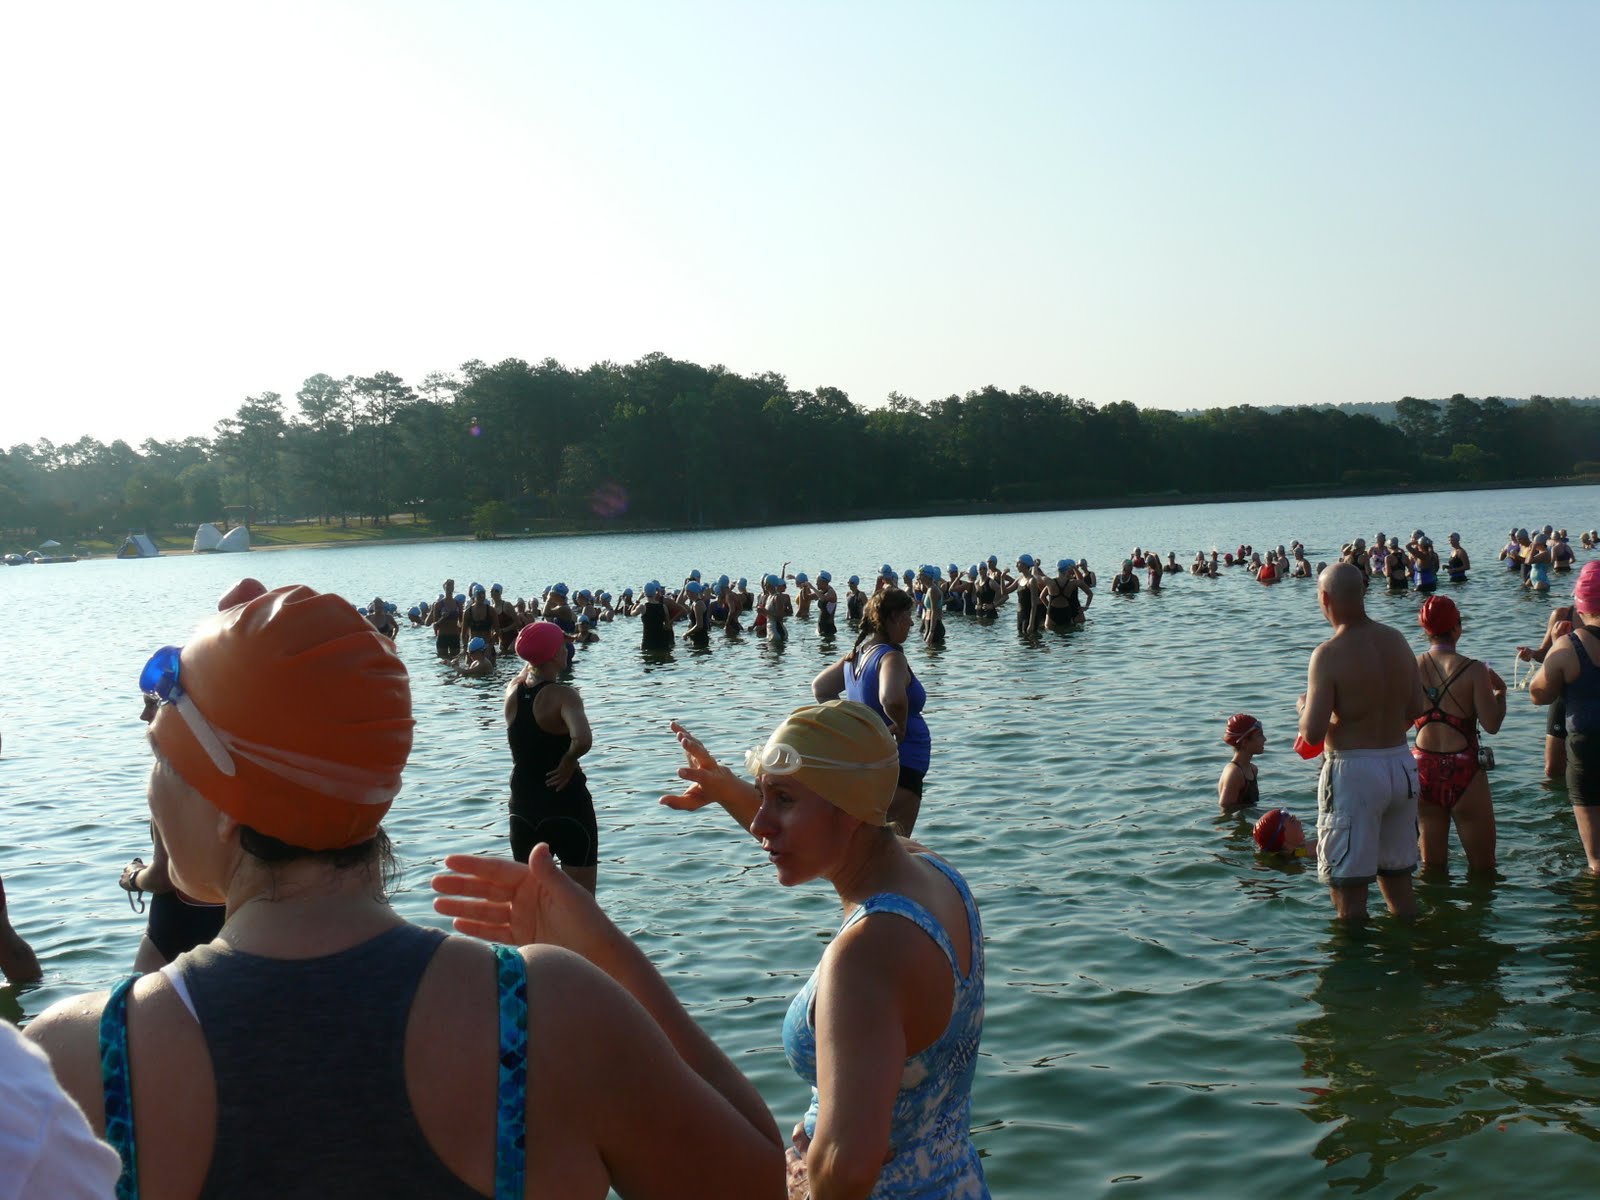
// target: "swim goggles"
[[780, 758], [159, 682]]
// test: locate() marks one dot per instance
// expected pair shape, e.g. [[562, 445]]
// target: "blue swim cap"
[[627, 591], [460, 598], [887, 571], [973, 570], [1066, 564], [722, 581], [1025, 559], [389, 606], [993, 561], [743, 582], [650, 589], [561, 589], [416, 611], [693, 587], [927, 571], [586, 594], [694, 574], [824, 577], [362, 611], [475, 590], [800, 577], [908, 574], [855, 579], [495, 587], [585, 619], [954, 570], [475, 645]]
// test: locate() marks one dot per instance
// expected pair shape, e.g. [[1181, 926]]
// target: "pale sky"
[[1180, 204]]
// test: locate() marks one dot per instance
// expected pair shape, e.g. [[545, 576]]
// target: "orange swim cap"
[[311, 706]]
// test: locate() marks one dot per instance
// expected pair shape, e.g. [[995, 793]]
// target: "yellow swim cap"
[[842, 750]]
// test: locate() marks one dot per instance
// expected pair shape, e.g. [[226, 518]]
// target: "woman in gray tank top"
[[322, 1046]]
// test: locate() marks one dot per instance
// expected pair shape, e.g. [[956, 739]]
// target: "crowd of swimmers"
[[270, 868], [1386, 804], [286, 1032]]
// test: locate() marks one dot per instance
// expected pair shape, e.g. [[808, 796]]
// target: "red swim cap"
[[1439, 616], [1269, 830], [309, 705], [1240, 726], [538, 643]]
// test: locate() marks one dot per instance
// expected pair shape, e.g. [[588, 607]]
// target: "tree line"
[[667, 442]]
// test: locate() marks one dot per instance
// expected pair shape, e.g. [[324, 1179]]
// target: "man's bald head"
[[1345, 591]]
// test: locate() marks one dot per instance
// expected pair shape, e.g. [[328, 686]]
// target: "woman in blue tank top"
[[890, 1021], [280, 1059], [876, 673]]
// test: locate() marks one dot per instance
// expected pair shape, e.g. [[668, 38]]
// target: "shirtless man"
[[1362, 692]]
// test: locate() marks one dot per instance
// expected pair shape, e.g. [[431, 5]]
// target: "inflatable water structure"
[[235, 540], [138, 545], [207, 538]]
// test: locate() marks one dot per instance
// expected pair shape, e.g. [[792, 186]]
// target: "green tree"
[[492, 517], [249, 442]]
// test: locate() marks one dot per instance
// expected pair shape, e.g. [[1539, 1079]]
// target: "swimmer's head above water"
[[1279, 832]]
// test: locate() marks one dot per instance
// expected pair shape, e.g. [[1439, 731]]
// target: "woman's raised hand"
[[709, 781], [517, 904]]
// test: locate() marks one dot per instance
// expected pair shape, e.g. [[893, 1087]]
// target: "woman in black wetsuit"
[[548, 733], [1063, 608], [855, 600], [478, 619], [655, 618]]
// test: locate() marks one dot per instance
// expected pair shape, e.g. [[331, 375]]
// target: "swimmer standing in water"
[[1238, 787], [1363, 691]]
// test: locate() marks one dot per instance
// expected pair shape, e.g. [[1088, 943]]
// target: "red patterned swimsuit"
[[1445, 774]]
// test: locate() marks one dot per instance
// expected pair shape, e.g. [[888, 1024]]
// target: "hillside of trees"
[[664, 442]]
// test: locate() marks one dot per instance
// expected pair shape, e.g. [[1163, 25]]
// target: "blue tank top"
[[930, 1142], [861, 685], [1582, 695]]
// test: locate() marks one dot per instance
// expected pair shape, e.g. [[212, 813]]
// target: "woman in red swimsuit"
[[1462, 692]]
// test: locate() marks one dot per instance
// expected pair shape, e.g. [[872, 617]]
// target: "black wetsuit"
[[1066, 608], [855, 602], [563, 820], [1024, 605], [655, 629], [1250, 793]]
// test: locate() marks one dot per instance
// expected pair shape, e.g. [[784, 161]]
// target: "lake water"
[[1167, 1015]]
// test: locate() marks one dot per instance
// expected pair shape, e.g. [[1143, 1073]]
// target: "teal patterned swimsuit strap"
[[119, 1087], [511, 1117]]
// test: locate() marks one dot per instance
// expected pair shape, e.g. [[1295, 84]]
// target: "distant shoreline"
[[968, 509]]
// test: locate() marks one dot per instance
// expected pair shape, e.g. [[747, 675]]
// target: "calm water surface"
[[1167, 1015]]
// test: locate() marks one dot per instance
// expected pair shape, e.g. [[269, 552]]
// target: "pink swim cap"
[[540, 642], [1586, 594]]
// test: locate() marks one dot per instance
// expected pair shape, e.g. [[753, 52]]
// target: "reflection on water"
[[1165, 1010]]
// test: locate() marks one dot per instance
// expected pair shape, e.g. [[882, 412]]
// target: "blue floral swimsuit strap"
[[974, 926], [511, 1115], [119, 1087], [904, 906]]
